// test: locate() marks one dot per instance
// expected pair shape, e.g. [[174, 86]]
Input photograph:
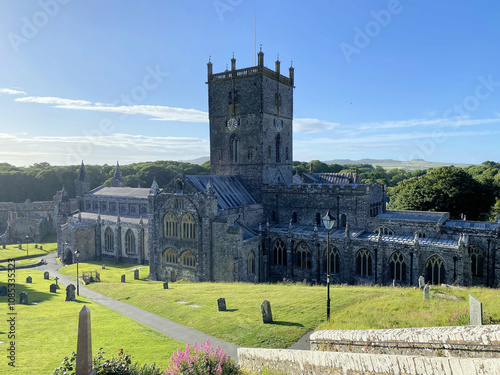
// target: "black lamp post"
[[77, 255], [27, 248], [328, 222]]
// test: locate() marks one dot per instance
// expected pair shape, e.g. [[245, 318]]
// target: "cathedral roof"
[[410, 240], [413, 215], [471, 224], [112, 218], [332, 178], [121, 192], [230, 190]]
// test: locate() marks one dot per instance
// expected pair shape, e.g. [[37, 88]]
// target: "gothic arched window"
[[294, 216], [279, 251], [251, 263], [304, 258], [477, 260], [233, 145], [397, 266], [278, 148], [188, 227], [384, 230], [364, 263], [108, 240], [435, 270], [170, 256], [129, 242], [334, 260], [188, 259], [170, 225]]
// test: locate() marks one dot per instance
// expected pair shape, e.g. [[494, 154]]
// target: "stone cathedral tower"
[[251, 113]]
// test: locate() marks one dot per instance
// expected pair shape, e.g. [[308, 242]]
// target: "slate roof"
[[408, 240], [412, 215], [333, 178], [247, 232], [112, 218], [229, 189], [471, 224], [121, 192], [309, 229]]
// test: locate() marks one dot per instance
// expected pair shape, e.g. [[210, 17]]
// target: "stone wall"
[[305, 362]]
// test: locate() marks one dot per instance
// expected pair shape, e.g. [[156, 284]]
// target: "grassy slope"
[[13, 252], [296, 308], [46, 332]]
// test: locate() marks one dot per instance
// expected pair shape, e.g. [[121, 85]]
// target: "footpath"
[[167, 327]]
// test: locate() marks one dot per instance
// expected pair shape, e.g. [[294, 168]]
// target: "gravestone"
[[70, 292], [123, 278], [393, 283], [57, 285], [53, 288], [46, 275], [29, 280], [36, 246], [221, 304], [136, 274], [476, 311], [265, 309], [41, 247], [3, 290], [20, 246], [4, 246], [103, 266], [84, 345], [165, 285], [23, 298], [421, 282], [426, 291]]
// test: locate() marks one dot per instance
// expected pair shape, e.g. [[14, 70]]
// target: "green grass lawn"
[[296, 308], [13, 252], [46, 329]]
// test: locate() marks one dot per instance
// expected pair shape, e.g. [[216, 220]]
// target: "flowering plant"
[[463, 319], [203, 360]]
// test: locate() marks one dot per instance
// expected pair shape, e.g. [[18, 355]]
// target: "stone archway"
[[68, 257]]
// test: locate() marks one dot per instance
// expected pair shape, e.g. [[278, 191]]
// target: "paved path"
[[167, 327]]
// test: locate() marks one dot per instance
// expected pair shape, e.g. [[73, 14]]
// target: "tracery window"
[[188, 259], [129, 242], [188, 227], [278, 148], [304, 257], [170, 225], [384, 230], [420, 234], [251, 263], [477, 260], [435, 270], [334, 258], [364, 263], [170, 256], [279, 251], [397, 265], [108, 239], [233, 148]]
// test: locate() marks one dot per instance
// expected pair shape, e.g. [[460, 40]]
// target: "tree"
[[445, 189]]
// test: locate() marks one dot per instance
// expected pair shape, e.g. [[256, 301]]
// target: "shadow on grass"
[[230, 310], [291, 324]]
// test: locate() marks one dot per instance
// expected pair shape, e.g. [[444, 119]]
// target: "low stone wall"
[[456, 341], [302, 362]]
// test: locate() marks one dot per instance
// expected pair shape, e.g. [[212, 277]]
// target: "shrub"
[[463, 319], [201, 361]]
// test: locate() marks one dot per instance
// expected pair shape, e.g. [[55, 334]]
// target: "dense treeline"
[[39, 182], [473, 191]]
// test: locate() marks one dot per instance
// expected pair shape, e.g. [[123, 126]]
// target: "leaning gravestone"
[[221, 304], [3, 290], [53, 288], [136, 274], [41, 247], [265, 309], [165, 285], [123, 278], [421, 282], [4, 246], [29, 280], [426, 291], [46, 275], [476, 311], [70, 292], [36, 246], [23, 298]]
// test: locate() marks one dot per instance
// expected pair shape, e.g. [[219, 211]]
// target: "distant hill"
[[392, 164], [198, 161]]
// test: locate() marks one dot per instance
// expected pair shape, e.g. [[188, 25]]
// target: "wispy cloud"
[[160, 113], [312, 125], [12, 92]]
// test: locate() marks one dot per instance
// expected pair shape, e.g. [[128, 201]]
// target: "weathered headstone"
[[123, 278], [393, 283], [53, 288], [3, 290], [4, 246], [421, 282], [103, 266], [265, 309], [57, 285], [221, 304], [36, 246], [476, 311], [20, 246], [46, 275], [84, 345], [23, 298], [165, 285], [41, 247], [427, 291], [70, 292], [29, 280], [136, 274]]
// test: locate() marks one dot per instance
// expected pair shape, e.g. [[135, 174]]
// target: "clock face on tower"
[[232, 124]]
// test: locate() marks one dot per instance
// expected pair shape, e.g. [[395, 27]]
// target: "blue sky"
[[125, 80]]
